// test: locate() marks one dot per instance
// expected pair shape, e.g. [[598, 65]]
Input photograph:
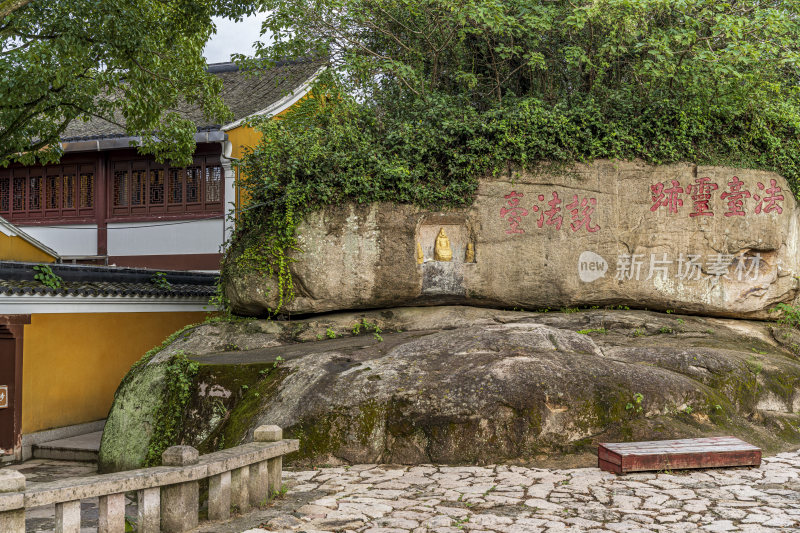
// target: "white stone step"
[[78, 448]]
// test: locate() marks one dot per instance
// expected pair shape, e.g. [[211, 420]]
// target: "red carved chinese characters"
[[768, 204], [701, 191], [554, 210], [580, 210], [537, 209], [735, 197], [667, 198], [581, 213], [514, 211]]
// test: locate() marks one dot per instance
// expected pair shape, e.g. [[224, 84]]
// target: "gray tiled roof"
[[16, 279], [103, 288], [244, 93]]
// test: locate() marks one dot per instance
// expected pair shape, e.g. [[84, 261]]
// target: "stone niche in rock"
[[696, 239], [445, 254]]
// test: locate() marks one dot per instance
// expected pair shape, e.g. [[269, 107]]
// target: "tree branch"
[[9, 6]]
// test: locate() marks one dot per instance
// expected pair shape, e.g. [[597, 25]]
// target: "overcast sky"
[[233, 37]]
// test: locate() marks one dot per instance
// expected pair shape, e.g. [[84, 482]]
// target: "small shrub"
[[365, 327], [635, 405], [790, 317], [46, 276], [159, 279]]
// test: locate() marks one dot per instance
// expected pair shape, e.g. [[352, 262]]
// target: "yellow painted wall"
[[240, 138], [18, 249], [72, 363]]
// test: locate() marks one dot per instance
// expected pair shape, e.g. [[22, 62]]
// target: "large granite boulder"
[[705, 240], [469, 385]]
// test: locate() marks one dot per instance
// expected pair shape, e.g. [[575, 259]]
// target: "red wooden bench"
[[710, 452]]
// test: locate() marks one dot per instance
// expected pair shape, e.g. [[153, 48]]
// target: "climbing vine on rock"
[[168, 422]]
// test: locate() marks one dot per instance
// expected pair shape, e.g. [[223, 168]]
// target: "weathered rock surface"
[[469, 385], [700, 240]]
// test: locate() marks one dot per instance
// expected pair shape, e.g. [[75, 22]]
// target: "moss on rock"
[[461, 385]]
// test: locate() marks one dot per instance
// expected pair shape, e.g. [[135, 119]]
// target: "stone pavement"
[[501, 499], [512, 499]]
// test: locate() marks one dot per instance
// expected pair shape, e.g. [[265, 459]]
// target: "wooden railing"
[[168, 496]]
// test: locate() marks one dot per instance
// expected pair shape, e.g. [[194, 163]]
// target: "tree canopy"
[[128, 61], [617, 51], [430, 94], [448, 89]]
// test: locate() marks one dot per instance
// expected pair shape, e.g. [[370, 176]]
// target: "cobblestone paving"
[[511, 499]]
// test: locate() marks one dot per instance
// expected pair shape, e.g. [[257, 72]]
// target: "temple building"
[[105, 203], [138, 232]]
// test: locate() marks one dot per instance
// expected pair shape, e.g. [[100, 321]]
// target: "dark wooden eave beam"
[[112, 143]]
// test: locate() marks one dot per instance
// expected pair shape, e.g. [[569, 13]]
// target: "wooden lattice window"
[[156, 186], [143, 188], [50, 193], [176, 178], [35, 196], [53, 194], [18, 198], [87, 189], [68, 189], [213, 183], [120, 188], [138, 187], [193, 185], [5, 194]]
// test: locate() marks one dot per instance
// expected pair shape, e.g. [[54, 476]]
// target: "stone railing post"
[[12, 518], [68, 517], [149, 512], [240, 488], [179, 502], [219, 496], [275, 465], [111, 518]]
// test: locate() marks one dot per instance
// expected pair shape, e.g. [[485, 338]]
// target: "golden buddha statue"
[[442, 251], [420, 255], [470, 255]]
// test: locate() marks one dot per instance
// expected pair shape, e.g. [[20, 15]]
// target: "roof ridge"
[[232, 66], [245, 90]]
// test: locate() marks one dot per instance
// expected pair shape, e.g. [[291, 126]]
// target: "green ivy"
[[180, 372], [331, 150], [148, 356]]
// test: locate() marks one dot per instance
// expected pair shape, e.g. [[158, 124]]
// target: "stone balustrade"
[[168, 495]]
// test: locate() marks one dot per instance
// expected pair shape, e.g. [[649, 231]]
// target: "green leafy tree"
[[130, 62], [615, 50]]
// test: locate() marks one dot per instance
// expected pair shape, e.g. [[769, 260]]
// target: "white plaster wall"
[[165, 238], [75, 239]]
